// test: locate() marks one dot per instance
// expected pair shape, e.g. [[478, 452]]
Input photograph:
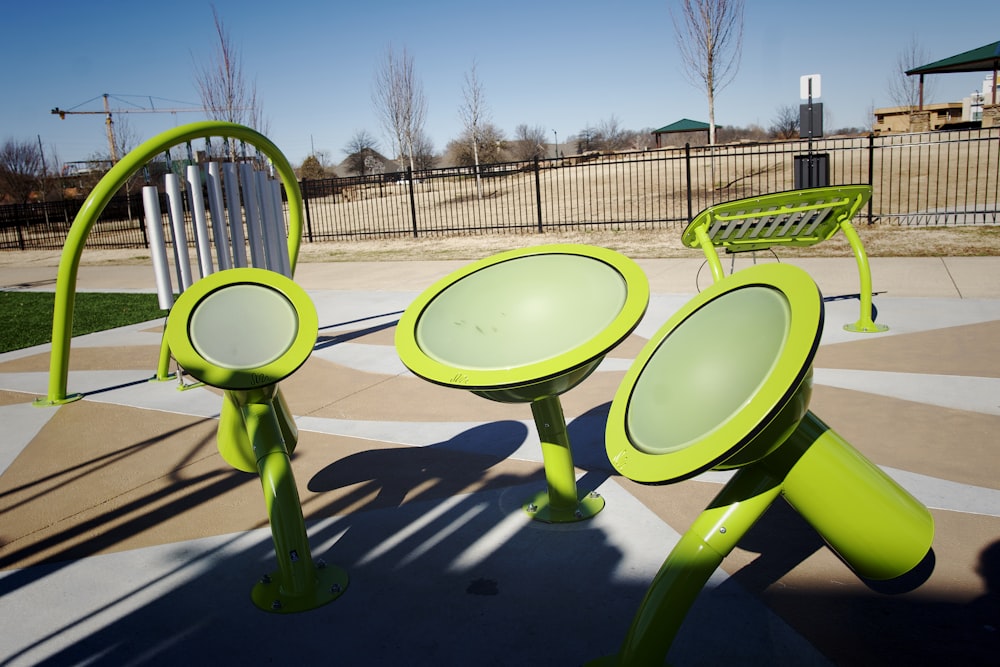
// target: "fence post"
[[142, 226], [538, 193], [413, 200], [871, 171], [687, 171], [305, 206]]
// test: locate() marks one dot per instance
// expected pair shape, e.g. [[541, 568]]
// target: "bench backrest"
[[793, 218]]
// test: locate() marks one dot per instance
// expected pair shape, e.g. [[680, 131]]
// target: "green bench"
[[796, 218]]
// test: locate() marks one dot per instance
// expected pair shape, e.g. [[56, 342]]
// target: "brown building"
[[908, 119]]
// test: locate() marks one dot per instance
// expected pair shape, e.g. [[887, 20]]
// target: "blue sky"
[[559, 64]]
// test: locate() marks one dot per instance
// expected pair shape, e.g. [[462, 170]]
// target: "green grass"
[[26, 317]]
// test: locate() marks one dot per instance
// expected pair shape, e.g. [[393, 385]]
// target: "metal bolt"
[[320, 564], [276, 604], [594, 494], [266, 579], [578, 514], [722, 530], [335, 588], [532, 507]]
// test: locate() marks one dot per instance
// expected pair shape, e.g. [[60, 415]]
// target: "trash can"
[[812, 170]]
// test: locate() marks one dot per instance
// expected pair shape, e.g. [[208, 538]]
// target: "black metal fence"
[[939, 178]]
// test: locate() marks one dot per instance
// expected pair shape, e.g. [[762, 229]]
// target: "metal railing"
[[938, 178]]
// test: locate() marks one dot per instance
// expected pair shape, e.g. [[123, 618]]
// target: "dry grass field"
[[879, 240], [604, 200], [943, 179]]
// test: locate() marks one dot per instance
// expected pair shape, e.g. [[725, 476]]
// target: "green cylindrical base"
[[50, 402], [541, 509], [865, 323], [560, 502], [300, 583], [872, 523], [270, 593], [865, 326]]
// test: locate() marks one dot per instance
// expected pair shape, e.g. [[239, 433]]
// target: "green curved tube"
[[560, 474], [876, 527], [281, 497], [865, 323], [692, 561], [162, 364], [714, 262]]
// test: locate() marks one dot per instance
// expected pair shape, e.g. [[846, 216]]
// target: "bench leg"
[[865, 323], [560, 502], [163, 362], [714, 263]]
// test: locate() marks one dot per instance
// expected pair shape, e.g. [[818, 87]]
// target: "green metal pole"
[[560, 502], [692, 561], [866, 518], [289, 431], [163, 363], [231, 437], [865, 323], [232, 440], [281, 498], [298, 584], [714, 263], [65, 298]]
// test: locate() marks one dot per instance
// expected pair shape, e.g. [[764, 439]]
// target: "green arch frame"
[[93, 206]]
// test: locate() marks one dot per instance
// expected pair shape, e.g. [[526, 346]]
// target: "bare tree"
[[710, 38], [786, 123], [359, 149], [323, 157], [359, 141], [587, 140], [423, 152], [639, 140], [126, 138], [224, 91], [51, 172], [474, 114], [398, 98], [903, 90], [529, 142], [20, 169], [491, 146], [611, 135]]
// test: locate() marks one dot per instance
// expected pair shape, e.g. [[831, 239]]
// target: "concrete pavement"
[[957, 277], [126, 538]]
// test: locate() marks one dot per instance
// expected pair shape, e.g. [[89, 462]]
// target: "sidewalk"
[[959, 277], [126, 538]]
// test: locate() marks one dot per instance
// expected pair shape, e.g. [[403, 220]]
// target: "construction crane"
[[109, 123]]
